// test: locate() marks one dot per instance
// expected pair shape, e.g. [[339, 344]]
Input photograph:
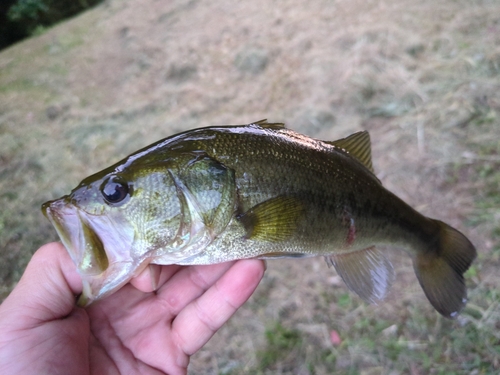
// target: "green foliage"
[[31, 17], [27, 10]]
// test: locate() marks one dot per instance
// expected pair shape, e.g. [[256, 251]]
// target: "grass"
[[483, 167], [376, 345], [422, 77], [282, 345]]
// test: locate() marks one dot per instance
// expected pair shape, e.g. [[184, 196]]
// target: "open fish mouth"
[[65, 219], [82, 242], [100, 273]]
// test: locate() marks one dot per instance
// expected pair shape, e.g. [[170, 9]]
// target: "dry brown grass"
[[422, 76]]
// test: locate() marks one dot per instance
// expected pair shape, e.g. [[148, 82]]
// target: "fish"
[[221, 193]]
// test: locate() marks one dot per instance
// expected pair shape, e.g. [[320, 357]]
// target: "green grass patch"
[[281, 343]]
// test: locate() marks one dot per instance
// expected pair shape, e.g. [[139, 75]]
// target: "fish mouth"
[[67, 222], [103, 266]]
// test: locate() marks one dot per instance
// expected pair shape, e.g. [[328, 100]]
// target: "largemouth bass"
[[222, 193]]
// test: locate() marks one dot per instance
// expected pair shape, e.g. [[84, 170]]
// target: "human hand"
[[134, 331]]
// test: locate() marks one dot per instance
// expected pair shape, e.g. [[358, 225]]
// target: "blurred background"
[[422, 76]]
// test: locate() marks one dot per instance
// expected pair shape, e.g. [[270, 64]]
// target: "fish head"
[[113, 221]]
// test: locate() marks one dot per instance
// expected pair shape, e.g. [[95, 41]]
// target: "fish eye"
[[114, 190]]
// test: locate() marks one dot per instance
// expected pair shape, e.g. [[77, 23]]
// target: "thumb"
[[46, 290]]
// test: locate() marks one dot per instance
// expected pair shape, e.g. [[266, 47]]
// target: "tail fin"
[[440, 272]]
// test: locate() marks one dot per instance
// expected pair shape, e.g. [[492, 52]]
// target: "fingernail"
[[154, 272]]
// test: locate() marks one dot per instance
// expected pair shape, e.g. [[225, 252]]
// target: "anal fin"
[[366, 272]]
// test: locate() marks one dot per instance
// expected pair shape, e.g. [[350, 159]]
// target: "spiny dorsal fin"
[[357, 145], [366, 272], [269, 125], [272, 220]]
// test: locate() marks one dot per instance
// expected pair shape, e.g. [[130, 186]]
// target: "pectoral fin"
[[366, 272], [273, 220]]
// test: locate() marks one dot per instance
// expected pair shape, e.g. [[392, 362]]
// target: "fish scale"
[[222, 193]]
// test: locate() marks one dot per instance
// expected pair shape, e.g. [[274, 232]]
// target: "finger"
[[47, 288], [196, 324], [146, 324], [189, 283], [153, 277]]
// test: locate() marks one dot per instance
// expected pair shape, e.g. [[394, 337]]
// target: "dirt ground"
[[422, 76]]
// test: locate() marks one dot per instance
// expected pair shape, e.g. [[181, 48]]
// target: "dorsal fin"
[[269, 125], [357, 145]]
